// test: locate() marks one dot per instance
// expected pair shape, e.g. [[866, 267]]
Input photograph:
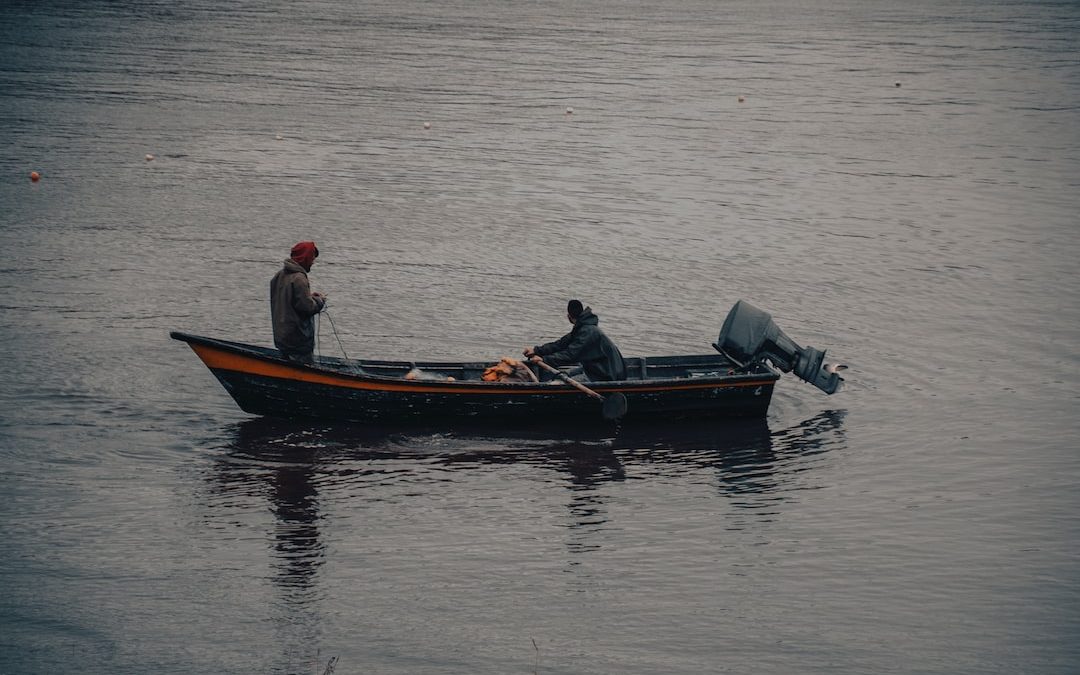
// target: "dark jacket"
[[586, 344], [293, 310]]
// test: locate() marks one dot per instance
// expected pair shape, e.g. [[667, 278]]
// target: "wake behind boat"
[[735, 381]]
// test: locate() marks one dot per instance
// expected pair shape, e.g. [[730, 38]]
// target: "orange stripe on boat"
[[220, 359]]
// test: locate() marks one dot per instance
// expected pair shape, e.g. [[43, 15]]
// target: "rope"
[[334, 328]]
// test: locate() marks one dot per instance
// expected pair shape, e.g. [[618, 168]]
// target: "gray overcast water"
[[898, 185]]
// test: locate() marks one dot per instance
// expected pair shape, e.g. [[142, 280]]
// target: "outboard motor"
[[749, 335]]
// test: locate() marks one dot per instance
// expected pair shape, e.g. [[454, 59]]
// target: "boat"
[[736, 380]]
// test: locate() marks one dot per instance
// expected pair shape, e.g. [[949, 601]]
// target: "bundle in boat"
[[508, 370]]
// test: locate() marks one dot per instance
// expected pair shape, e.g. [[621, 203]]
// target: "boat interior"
[[638, 368]]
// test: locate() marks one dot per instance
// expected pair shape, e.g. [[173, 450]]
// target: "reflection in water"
[[297, 533], [280, 464], [587, 467], [287, 463], [283, 468], [752, 465]]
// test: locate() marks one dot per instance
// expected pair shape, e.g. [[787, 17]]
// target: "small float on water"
[[736, 380]]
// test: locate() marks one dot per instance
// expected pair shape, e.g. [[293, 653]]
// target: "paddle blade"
[[614, 406]]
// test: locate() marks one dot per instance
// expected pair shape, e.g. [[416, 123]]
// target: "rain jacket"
[[293, 310], [586, 344]]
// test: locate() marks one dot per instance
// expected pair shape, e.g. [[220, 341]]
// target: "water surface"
[[898, 185]]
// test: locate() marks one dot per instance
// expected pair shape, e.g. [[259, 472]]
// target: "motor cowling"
[[749, 334]]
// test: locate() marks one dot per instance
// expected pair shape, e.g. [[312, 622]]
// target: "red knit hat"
[[304, 253]]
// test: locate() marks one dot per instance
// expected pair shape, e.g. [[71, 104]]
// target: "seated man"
[[586, 344]]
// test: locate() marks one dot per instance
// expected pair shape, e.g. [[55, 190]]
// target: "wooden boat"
[[733, 382], [262, 382]]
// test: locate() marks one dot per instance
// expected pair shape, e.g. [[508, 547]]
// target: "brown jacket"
[[293, 310]]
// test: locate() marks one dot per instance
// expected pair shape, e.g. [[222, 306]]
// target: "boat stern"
[[750, 334]]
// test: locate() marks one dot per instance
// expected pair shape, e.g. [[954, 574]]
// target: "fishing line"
[[334, 328]]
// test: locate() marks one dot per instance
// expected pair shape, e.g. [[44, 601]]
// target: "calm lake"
[[897, 183]]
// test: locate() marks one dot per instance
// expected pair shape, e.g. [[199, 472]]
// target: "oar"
[[614, 405]]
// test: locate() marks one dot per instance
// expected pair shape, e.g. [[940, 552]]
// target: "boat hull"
[[262, 383]]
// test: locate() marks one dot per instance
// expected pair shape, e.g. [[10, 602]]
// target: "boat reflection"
[[288, 462], [747, 456], [287, 465]]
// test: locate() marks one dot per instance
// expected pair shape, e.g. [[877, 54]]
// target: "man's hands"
[[529, 352]]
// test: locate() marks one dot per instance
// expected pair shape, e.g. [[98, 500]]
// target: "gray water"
[[899, 185]]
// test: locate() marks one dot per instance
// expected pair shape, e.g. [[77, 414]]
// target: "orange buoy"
[[35, 176], [149, 158]]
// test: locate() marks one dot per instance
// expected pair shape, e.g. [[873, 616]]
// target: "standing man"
[[293, 305], [586, 344]]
